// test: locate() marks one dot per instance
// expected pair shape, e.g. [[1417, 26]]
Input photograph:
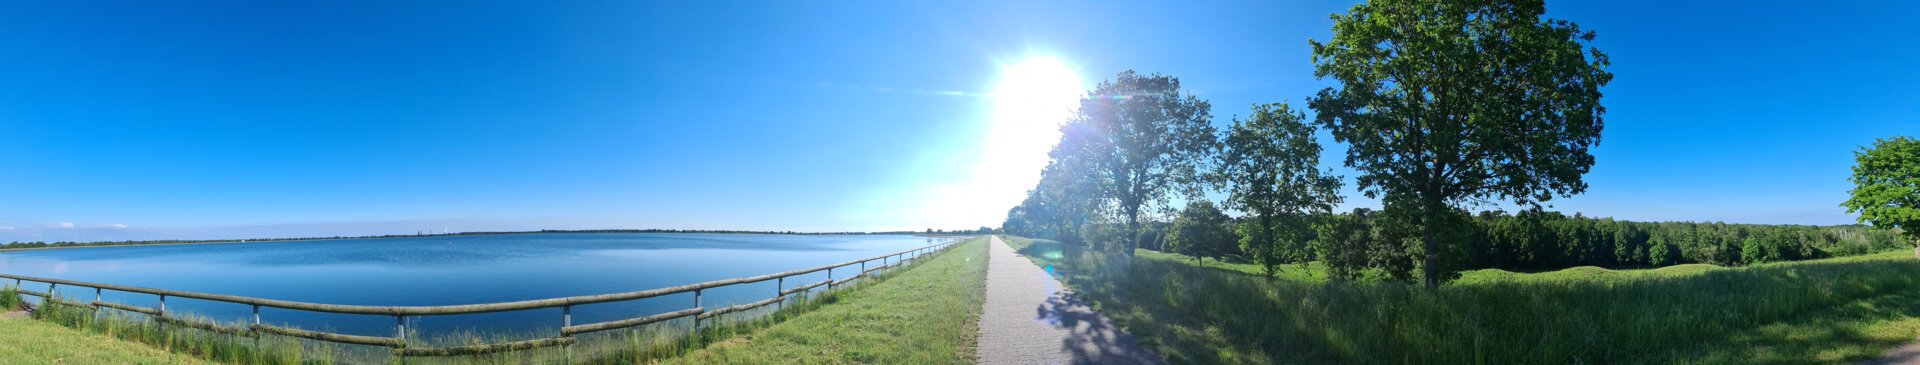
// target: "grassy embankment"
[[28, 341], [923, 314], [1821, 311], [111, 335]]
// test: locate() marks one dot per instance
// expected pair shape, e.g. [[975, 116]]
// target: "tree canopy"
[[1202, 230], [1445, 103], [1141, 140], [1886, 185], [1269, 164]]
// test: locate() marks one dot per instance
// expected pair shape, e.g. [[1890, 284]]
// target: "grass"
[[1582, 273], [1312, 272], [900, 315], [928, 315], [1823, 311], [115, 332], [27, 341]]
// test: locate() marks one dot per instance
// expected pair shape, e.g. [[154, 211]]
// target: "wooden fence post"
[[162, 312], [566, 320], [696, 318], [400, 333], [256, 333]]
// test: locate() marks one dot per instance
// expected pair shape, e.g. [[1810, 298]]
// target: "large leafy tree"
[[1143, 141], [1446, 103], [1269, 164], [1069, 195], [1202, 230], [1886, 186]]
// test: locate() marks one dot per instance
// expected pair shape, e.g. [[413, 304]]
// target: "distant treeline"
[[1549, 240], [1356, 242], [38, 244]]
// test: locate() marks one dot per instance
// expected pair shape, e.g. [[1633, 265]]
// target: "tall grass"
[[1192, 314], [208, 345], [9, 298]]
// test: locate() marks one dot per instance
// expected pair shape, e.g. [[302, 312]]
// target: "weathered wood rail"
[[399, 342]]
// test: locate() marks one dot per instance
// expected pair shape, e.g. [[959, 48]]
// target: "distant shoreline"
[[546, 231]]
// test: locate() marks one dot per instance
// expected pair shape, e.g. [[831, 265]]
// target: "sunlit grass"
[[114, 332], [28, 341], [1833, 310], [928, 315]]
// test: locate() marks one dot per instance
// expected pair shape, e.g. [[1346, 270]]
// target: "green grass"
[[927, 315], [1823, 311], [1582, 273], [111, 331], [27, 341]]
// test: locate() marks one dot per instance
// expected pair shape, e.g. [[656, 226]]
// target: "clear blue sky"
[[138, 120]]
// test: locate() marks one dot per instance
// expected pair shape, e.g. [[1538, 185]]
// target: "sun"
[[1032, 98], [1030, 101]]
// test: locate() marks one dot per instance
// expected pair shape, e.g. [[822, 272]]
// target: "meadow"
[[1817, 311]]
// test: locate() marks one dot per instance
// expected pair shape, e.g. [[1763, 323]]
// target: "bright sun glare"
[[1030, 101]]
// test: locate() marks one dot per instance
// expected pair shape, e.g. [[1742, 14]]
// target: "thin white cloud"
[[6, 228], [115, 226], [62, 225]]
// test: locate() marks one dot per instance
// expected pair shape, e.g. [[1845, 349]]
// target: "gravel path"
[[1030, 319], [1908, 354]]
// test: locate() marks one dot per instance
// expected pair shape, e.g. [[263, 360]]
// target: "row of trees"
[[1443, 105], [1353, 243]]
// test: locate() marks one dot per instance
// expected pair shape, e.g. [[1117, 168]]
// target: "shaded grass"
[[928, 315], [1830, 310]]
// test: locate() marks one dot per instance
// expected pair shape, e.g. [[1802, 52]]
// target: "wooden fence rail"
[[399, 342]]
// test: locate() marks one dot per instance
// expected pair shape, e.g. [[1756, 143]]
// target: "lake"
[[450, 270]]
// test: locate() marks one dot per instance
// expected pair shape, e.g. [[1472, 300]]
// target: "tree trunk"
[[1432, 273], [1133, 230]]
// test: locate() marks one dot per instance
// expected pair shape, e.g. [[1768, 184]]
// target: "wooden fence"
[[399, 340]]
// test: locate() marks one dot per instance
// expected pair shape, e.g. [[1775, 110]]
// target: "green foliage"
[[1347, 244], [1886, 185], [1447, 102], [1202, 231], [1659, 253], [1066, 199], [9, 298], [1139, 140], [1365, 241], [1751, 252], [1269, 165]]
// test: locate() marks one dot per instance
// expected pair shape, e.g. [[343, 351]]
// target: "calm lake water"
[[452, 270]]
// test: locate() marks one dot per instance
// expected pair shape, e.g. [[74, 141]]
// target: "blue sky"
[[138, 120]]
